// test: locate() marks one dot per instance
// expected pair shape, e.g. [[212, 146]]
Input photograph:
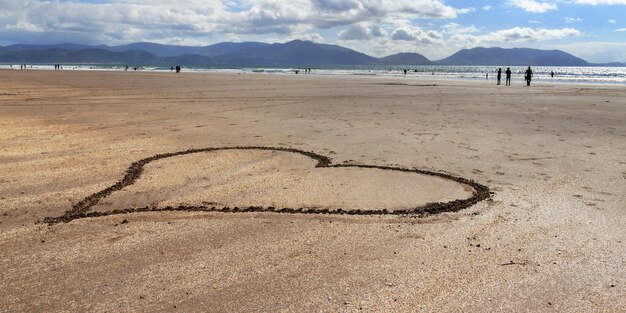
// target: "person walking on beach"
[[499, 75], [552, 74], [528, 76], [508, 76]]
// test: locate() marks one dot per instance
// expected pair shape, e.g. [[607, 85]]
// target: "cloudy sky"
[[592, 29]]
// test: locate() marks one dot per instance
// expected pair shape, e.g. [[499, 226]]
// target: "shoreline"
[[324, 72]]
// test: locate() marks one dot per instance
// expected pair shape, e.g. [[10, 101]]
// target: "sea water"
[[562, 74]]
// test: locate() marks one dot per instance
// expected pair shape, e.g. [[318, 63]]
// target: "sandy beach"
[[550, 238]]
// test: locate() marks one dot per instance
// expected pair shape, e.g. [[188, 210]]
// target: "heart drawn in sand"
[[283, 180]]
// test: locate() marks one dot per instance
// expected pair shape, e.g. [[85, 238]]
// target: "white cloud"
[[454, 28], [534, 22], [621, 30], [465, 10], [533, 6], [361, 32], [601, 2], [354, 32], [611, 21], [573, 19], [164, 20], [418, 35], [487, 7]]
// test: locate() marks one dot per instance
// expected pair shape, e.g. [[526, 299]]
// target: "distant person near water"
[[528, 76], [508, 76], [487, 76], [177, 68], [499, 75], [552, 74]]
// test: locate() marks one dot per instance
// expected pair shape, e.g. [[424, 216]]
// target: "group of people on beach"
[[528, 75], [407, 70], [58, 67]]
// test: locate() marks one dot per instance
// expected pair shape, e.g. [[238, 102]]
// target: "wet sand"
[[551, 238]]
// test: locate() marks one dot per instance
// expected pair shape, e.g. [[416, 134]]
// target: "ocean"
[[542, 74]]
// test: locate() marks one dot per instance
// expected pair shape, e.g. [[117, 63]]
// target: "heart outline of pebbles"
[[133, 173]]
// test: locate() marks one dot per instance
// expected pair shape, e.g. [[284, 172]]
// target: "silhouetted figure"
[[552, 74], [405, 72], [177, 68], [487, 76], [508, 76], [126, 68], [499, 75], [528, 76]]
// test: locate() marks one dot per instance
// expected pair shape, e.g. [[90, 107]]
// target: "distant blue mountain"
[[293, 53], [155, 49], [512, 57], [406, 59], [226, 48], [297, 52]]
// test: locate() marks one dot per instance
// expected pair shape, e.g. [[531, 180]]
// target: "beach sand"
[[551, 238]]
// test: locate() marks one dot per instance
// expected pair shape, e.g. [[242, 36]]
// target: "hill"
[[406, 59], [512, 57], [297, 52], [156, 49]]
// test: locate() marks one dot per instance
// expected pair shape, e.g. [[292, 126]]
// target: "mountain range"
[[292, 53]]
